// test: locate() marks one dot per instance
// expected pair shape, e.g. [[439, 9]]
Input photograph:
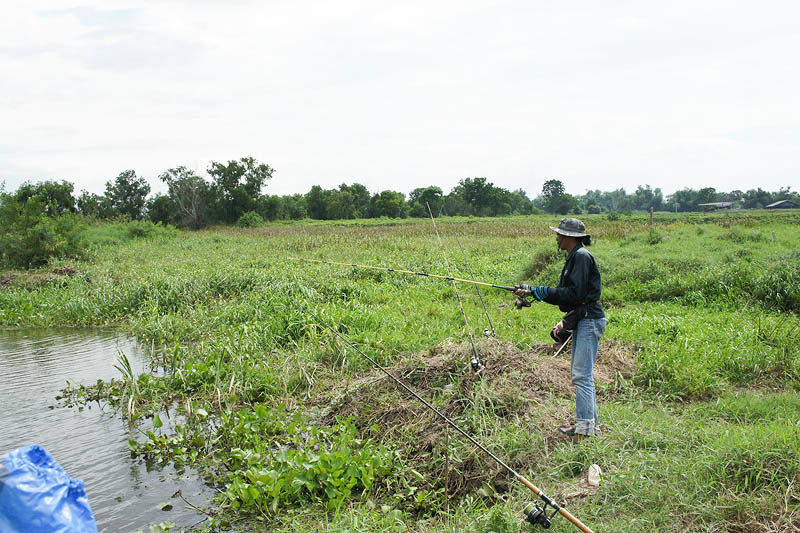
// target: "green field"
[[698, 373]]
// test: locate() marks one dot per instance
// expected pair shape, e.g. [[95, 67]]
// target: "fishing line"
[[476, 361], [536, 515], [401, 271], [471, 275]]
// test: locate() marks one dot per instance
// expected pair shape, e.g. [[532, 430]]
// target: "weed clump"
[[740, 236], [145, 229], [515, 384], [542, 258], [758, 459], [251, 219]]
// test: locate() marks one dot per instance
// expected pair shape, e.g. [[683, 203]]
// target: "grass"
[[702, 436]]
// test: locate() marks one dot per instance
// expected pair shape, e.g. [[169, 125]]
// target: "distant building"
[[783, 204], [718, 205]]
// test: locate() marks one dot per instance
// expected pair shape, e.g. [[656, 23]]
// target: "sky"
[[399, 95]]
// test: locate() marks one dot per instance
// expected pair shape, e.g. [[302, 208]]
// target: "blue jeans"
[[584, 351]]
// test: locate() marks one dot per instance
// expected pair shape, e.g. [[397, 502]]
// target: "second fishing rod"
[[536, 514]]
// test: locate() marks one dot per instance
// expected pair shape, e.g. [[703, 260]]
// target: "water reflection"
[[90, 443]]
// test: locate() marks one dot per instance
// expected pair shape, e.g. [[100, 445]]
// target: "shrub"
[[250, 219], [139, 229], [28, 237]]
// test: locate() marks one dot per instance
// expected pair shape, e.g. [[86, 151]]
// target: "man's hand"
[[540, 292], [522, 290]]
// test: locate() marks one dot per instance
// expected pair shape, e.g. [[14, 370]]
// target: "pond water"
[[91, 443]]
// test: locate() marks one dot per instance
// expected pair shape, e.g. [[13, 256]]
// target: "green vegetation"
[[32, 231], [234, 195], [698, 375]]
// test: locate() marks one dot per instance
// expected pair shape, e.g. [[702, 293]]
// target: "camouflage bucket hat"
[[571, 227]]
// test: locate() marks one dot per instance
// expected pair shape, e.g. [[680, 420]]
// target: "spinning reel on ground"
[[536, 515]]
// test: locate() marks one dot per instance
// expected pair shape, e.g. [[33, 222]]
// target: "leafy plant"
[[138, 229], [130, 389], [29, 237], [276, 459], [250, 219]]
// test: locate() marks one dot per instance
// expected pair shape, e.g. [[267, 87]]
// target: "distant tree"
[[238, 184], [786, 193], [478, 193], [56, 196], [733, 196], [555, 200], [591, 201], [127, 194], [422, 196], [478, 196], [389, 204], [359, 196], [756, 199], [190, 194], [294, 207], [617, 200], [341, 204], [94, 205], [456, 205], [503, 202], [706, 195], [568, 204], [270, 207], [646, 198], [520, 203], [316, 203], [552, 193], [161, 208], [684, 200]]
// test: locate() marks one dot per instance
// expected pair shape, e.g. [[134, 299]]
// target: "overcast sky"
[[398, 95]]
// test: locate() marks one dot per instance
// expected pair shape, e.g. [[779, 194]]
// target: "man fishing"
[[578, 295]]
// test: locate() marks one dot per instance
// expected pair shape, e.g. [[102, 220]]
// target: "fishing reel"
[[521, 302], [537, 515], [476, 365]]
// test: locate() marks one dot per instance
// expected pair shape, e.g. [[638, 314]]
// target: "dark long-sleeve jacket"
[[579, 284]]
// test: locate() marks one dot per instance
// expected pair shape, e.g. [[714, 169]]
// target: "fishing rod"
[[518, 302], [475, 362], [401, 271], [535, 514], [472, 276]]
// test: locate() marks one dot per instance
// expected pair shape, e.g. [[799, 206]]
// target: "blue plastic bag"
[[37, 495]]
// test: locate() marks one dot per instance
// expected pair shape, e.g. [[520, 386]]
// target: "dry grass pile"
[[513, 383]]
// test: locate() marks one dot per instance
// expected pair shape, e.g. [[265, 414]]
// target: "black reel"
[[476, 365], [537, 515], [519, 303]]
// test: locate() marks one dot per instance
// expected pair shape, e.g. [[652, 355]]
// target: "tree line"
[[234, 194]]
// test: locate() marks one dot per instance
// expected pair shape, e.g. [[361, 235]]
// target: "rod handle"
[[580, 525]]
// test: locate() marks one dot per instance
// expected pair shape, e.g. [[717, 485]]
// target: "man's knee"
[[580, 378]]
